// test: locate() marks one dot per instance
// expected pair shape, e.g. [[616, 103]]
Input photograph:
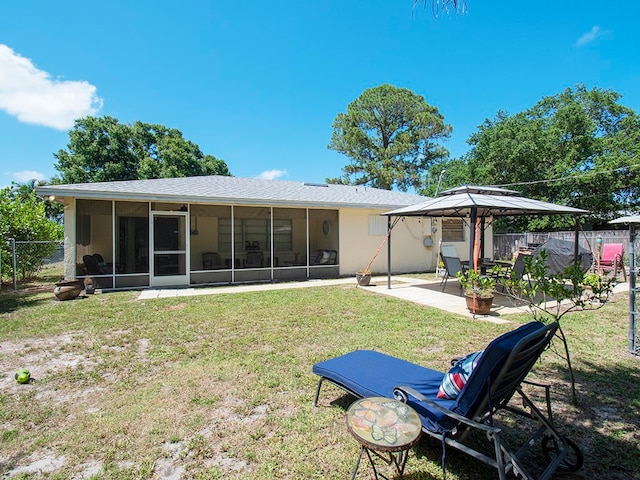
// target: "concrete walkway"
[[417, 290]]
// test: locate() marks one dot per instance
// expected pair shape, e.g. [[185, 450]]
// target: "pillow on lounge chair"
[[456, 378]]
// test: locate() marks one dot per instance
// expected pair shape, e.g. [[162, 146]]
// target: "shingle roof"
[[233, 190]]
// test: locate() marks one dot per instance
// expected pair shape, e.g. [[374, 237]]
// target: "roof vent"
[[311, 184]]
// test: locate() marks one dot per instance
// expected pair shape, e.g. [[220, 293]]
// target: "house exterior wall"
[[358, 246], [415, 243]]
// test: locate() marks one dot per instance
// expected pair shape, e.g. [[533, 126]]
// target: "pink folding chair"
[[611, 259]]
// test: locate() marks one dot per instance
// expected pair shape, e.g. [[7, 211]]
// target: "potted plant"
[[479, 291], [363, 277], [67, 289]]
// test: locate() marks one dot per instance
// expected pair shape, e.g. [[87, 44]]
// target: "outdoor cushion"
[[367, 373], [456, 378], [473, 398]]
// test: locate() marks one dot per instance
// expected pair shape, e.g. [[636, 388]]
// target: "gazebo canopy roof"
[[630, 219], [487, 201]]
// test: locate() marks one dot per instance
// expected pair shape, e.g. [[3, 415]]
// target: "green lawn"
[[220, 386]]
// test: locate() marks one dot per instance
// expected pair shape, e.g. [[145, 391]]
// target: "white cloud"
[[590, 37], [32, 96], [27, 175], [272, 174]]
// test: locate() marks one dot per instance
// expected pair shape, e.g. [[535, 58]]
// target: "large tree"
[[579, 148], [101, 149], [390, 134]]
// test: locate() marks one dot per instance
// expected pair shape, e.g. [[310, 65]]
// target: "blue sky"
[[259, 83]]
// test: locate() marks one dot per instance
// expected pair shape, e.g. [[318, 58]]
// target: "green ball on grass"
[[22, 376]]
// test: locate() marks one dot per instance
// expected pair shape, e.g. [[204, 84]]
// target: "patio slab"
[[422, 291], [417, 290], [429, 292]]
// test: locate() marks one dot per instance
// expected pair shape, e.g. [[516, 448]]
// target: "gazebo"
[[476, 203]]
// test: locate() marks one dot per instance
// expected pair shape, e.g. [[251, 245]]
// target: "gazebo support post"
[[576, 241], [482, 227], [472, 235], [633, 347], [389, 253]]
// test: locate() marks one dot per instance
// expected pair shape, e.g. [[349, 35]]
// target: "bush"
[[23, 217]]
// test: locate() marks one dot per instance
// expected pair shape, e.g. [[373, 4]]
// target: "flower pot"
[[363, 279], [67, 289], [479, 306]]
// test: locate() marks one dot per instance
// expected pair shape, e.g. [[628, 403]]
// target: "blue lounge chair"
[[498, 375]]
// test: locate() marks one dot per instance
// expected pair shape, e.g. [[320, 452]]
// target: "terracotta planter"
[[363, 279], [67, 289], [479, 306]]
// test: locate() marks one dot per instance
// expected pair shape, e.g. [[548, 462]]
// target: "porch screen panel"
[[289, 236], [251, 237], [94, 232], [323, 238], [132, 237], [210, 233]]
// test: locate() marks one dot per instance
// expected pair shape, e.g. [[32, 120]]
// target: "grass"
[[220, 386]]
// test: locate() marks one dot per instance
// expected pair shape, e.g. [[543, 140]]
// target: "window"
[[254, 232], [452, 230], [282, 236], [377, 225]]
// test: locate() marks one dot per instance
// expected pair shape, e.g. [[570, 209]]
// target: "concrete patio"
[[422, 291]]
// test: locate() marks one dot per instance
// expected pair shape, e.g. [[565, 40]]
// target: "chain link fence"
[[25, 262]]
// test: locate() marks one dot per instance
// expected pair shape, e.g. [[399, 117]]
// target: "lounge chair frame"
[[493, 394], [611, 260], [452, 265]]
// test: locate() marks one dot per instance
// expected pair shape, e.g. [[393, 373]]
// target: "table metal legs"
[[398, 459]]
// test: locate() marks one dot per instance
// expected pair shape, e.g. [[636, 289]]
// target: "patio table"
[[386, 428]]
